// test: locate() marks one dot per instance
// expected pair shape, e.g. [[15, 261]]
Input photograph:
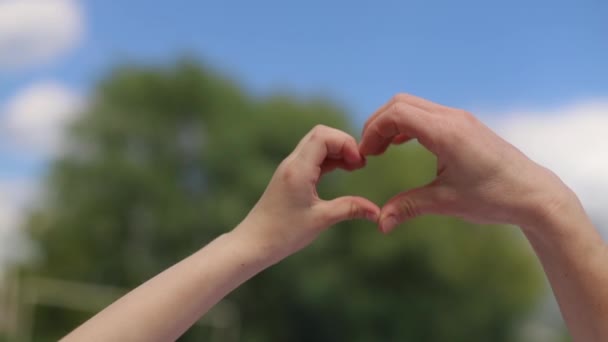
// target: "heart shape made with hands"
[[418, 168], [342, 151], [477, 171], [397, 208], [478, 174]]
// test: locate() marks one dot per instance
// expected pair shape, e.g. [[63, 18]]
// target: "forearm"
[[574, 257], [288, 217], [164, 307]]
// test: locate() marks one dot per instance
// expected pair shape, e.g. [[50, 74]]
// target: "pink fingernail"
[[389, 223]]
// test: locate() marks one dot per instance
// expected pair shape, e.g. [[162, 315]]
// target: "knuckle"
[[318, 131], [287, 173], [401, 97], [320, 128], [377, 131], [397, 109], [466, 116], [408, 208], [457, 129], [351, 140], [450, 132], [461, 118], [354, 210]]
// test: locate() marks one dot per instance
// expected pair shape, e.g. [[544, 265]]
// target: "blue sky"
[[537, 69], [471, 54]]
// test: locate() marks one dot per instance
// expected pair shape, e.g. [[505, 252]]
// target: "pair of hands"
[[480, 177]]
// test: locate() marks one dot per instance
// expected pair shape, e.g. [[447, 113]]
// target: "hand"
[[290, 214], [480, 177]]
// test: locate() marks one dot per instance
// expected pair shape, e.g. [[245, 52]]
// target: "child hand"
[[290, 214]]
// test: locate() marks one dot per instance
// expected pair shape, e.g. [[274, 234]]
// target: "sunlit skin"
[[483, 178], [480, 177]]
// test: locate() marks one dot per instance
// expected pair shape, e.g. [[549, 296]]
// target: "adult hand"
[[480, 177], [290, 213]]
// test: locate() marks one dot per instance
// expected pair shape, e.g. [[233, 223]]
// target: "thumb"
[[348, 208], [407, 205]]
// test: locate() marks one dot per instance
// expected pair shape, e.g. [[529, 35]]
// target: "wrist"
[[546, 201], [256, 242], [553, 209], [561, 227]]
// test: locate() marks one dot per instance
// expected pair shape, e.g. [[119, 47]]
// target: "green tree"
[[166, 159]]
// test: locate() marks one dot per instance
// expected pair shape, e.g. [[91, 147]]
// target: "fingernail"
[[389, 223]]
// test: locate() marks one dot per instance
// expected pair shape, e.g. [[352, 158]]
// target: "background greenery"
[[165, 159]]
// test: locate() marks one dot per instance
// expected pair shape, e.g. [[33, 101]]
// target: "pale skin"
[[480, 177], [288, 217]]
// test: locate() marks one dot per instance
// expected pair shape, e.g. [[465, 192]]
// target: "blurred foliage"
[[165, 159]]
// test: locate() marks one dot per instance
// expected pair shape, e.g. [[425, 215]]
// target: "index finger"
[[398, 119], [325, 142], [412, 100]]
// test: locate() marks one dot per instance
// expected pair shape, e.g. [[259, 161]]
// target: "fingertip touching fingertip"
[[388, 223], [364, 150], [371, 216], [352, 156]]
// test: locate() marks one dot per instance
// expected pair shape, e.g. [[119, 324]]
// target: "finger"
[[412, 100], [332, 164], [378, 111], [397, 140], [409, 204], [421, 103], [347, 208], [328, 143], [399, 119]]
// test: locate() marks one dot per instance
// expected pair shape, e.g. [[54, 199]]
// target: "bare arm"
[[167, 305], [575, 259], [484, 179], [288, 217]]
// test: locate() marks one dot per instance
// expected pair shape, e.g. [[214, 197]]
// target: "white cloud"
[[573, 142], [35, 119], [37, 31], [32, 125]]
